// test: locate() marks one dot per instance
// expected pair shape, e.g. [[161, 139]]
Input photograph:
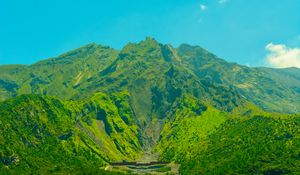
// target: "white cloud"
[[281, 56], [222, 1], [203, 7]]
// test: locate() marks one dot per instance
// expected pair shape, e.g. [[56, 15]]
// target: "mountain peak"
[[149, 41], [149, 38], [144, 47]]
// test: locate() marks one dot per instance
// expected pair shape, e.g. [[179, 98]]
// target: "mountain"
[[95, 105], [267, 88], [81, 72]]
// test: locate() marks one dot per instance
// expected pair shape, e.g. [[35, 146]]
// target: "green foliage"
[[187, 130], [252, 145], [38, 136]]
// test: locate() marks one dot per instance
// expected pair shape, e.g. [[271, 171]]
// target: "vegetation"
[[267, 88], [216, 143], [42, 135]]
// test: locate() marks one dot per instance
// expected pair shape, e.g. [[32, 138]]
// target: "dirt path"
[[155, 169], [147, 164]]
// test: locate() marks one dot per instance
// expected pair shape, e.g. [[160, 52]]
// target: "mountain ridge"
[[196, 59]]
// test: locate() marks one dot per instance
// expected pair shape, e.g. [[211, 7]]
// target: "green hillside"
[[44, 135], [258, 145], [214, 142], [267, 88]]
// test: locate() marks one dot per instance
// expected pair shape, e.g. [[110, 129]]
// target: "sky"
[[248, 32]]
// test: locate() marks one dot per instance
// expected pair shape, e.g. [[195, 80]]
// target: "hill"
[[44, 135]]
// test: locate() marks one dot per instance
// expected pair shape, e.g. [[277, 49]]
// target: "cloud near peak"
[[280, 56]]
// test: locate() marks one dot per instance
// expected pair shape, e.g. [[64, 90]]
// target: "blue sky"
[[249, 32]]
